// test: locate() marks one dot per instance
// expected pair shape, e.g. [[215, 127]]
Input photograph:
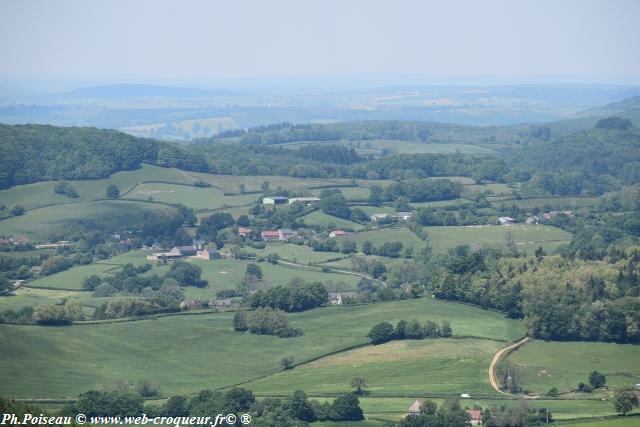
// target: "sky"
[[188, 41]]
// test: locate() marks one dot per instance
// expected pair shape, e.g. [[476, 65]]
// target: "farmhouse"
[[35, 269], [506, 220], [337, 298], [402, 216], [275, 200], [185, 250], [416, 407], [305, 200], [338, 233], [244, 231], [172, 254], [475, 416], [270, 235], [19, 240], [378, 216], [534, 219], [220, 303], [209, 254], [285, 234]]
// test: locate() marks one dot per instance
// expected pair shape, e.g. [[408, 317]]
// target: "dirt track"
[[496, 359]]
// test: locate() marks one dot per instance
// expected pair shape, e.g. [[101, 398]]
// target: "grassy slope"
[[565, 364], [321, 218], [193, 197], [378, 237], [39, 223], [189, 353], [526, 237], [409, 368]]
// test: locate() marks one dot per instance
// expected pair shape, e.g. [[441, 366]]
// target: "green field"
[[554, 202], [349, 193], [188, 195], [322, 219], [376, 146], [302, 254], [442, 204], [561, 409], [40, 194], [38, 224], [633, 421], [187, 353], [526, 237], [369, 209], [405, 368], [379, 236], [565, 364], [73, 278], [495, 188]]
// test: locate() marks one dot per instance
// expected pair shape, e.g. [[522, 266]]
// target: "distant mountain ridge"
[[130, 90]]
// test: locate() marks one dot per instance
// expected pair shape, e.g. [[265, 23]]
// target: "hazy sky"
[[188, 40]]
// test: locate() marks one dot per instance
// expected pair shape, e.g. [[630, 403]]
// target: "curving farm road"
[[496, 359]]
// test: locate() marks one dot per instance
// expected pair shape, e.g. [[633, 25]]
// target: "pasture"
[[561, 409], [554, 202], [186, 353], [38, 224], [565, 364], [190, 196], [377, 147], [401, 368], [32, 196], [382, 235], [527, 237], [73, 278], [349, 193], [324, 220], [302, 254]]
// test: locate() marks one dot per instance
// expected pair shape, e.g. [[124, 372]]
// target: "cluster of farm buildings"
[[535, 219]]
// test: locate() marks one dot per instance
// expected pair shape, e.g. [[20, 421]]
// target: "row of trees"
[[413, 329], [265, 321], [296, 296]]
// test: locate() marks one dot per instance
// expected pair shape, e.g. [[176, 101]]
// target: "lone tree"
[[113, 192], [287, 362], [240, 321], [358, 383], [597, 380], [625, 399]]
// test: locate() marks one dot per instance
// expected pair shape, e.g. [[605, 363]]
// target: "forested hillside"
[[590, 162]]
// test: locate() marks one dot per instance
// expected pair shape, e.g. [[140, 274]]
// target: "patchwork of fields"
[[59, 362], [188, 352]]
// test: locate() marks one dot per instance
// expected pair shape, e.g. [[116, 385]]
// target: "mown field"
[[404, 368], [527, 237], [565, 364], [187, 353]]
